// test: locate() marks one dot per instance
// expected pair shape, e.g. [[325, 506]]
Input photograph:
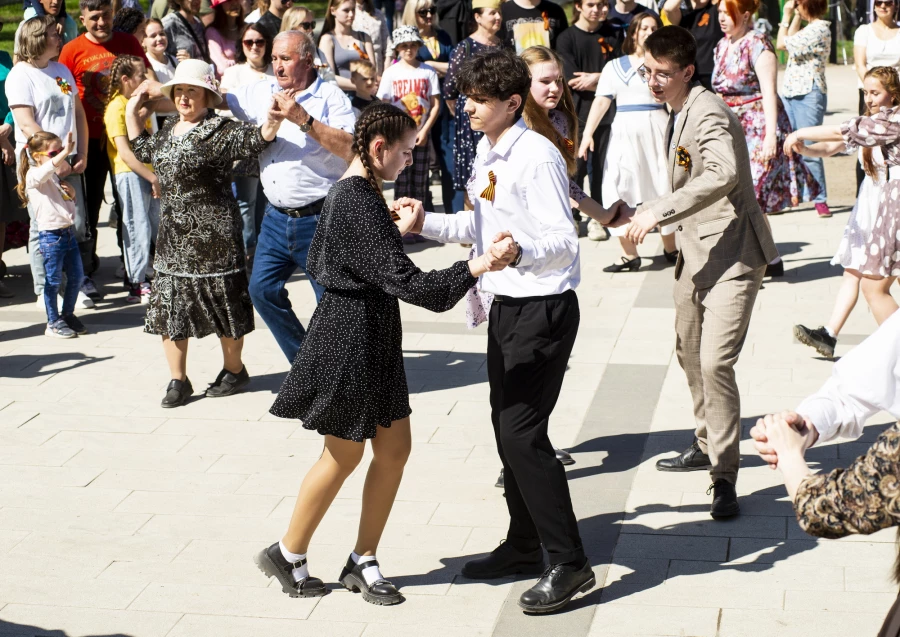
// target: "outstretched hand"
[[641, 224], [792, 144], [787, 432], [624, 211], [411, 213]]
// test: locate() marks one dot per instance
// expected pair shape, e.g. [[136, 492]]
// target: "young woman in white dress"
[[635, 169]]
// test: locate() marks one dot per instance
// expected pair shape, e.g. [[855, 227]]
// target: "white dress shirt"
[[295, 170], [531, 201], [862, 383]]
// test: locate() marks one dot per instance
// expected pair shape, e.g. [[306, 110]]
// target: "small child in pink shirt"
[[42, 162]]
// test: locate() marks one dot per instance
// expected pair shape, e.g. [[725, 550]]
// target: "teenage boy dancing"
[[520, 190]]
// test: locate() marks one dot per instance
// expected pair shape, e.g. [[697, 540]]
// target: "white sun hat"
[[194, 73]]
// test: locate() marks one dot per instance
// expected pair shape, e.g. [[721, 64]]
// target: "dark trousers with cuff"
[[529, 342]]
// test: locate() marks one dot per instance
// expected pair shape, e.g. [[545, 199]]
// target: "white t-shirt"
[[252, 17], [164, 72], [50, 92], [410, 89], [878, 52]]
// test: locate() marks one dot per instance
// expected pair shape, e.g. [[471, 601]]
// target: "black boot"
[[177, 393], [556, 588], [381, 592], [725, 502], [691, 459], [272, 563], [505, 560]]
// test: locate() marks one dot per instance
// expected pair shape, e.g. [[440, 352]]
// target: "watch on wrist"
[[307, 126], [518, 258]]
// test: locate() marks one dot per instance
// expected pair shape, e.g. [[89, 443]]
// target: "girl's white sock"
[[370, 573], [300, 572]]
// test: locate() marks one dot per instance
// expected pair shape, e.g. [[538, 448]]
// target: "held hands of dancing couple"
[[502, 252], [781, 441]]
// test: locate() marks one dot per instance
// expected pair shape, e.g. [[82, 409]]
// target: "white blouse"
[[878, 52]]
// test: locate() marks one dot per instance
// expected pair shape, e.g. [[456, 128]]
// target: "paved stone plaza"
[[120, 518]]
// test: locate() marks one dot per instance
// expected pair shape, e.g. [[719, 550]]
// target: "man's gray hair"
[[305, 45]]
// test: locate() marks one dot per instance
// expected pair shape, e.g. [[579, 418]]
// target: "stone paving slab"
[[119, 518]]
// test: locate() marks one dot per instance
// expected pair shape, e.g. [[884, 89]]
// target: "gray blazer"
[[721, 228]]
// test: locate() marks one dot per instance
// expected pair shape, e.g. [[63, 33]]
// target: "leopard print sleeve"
[[863, 498]]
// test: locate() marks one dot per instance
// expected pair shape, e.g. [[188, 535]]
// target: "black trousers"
[[596, 159], [94, 183], [529, 342]]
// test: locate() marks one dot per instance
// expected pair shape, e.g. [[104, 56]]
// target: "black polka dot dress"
[[348, 377]]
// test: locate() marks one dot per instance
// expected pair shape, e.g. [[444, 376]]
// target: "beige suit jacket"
[[722, 232]]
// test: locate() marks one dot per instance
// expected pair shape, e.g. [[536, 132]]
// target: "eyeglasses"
[[661, 78], [424, 13], [308, 26], [884, 3], [252, 43]]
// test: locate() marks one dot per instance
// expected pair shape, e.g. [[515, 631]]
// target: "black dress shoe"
[[556, 588], [499, 484], [271, 562], [691, 459], [227, 383], [381, 592], [725, 502], [775, 269], [177, 393], [629, 265], [564, 457], [819, 339], [505, 560], [671, 257]]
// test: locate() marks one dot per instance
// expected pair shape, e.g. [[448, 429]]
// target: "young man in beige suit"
[[725, 246]]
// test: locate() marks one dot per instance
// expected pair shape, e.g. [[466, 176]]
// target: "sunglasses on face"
[[884, 3], [308, 26], [424, 13], [251, 43], [51, 153]]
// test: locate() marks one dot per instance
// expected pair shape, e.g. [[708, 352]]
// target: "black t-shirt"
[[620, 21], [359, 103], [270, 23], [523, 28], [587, 52], [704, 26]]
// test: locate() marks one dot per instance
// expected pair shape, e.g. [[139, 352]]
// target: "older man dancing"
[[309, 154]]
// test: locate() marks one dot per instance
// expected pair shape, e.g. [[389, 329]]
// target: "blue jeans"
[[282, 248], [809, 110], [245, 191], [140, 223], [60, 253], [34, 248]]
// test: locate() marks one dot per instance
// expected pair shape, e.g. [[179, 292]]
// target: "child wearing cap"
[[414, 88]]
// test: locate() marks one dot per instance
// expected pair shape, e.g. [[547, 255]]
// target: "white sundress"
[[635, 169], [851, 253]]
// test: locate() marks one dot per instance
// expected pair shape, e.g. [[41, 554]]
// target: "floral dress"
[[201, 285], [882, 249], [348, 378], [466, 139], [782, 181]]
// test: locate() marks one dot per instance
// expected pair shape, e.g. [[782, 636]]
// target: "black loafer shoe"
[[671, 257], [627, 265], [505, 560], [775, 269], [556, 588], [500, 484], [725, 502], [177, 393], [227, 383], [564, 457], [381, 592], [691, 459], [272, 563]]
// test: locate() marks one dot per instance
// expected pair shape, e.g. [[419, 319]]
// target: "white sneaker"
[[596, 232], [84, 300]]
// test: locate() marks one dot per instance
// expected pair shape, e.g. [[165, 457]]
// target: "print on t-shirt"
[[410, 89]]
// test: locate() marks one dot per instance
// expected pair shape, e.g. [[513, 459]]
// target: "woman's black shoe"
[[272, 563], [381, 592], [632, 265], [671, 257], [499, 484], [556, 588], [775, 269], [564, 457], [227, 383], [177, 393]]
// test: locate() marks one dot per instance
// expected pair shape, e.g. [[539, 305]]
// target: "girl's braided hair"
[[384, 120], [124, 65]]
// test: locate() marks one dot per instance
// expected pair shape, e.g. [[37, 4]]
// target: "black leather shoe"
[[505, 560], [691, 459], [671, 257], [499, 484], [629, 265], [227, 383], [725, 502], [556, 588], [272, 563], [775, 269], [381, 592], [177, 393], [564, 457]]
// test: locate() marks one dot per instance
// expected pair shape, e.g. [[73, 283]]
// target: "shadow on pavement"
[[35, 365], [22, 630]]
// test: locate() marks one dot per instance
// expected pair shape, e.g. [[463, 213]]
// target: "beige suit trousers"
[[711, 326]]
